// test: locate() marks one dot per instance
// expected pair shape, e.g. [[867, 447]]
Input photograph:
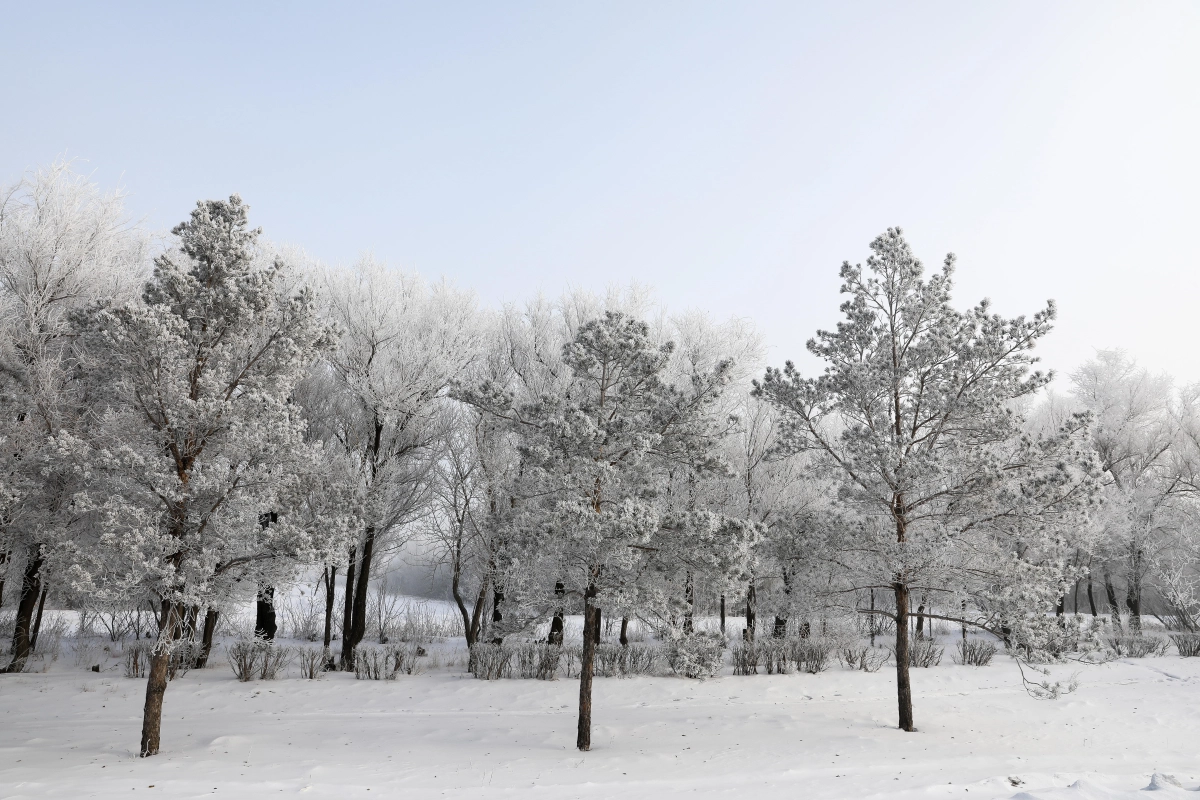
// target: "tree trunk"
[[779, 630], [873, 621], [4, 557], [1114, 608], [206, 637], [37, 622], [624, 640], [31, 588], [264, 619], [689, 599], [558, 623], [1133, 592], [722, 615], [348, 612], [903, 686], [921, 621], [748, 632], [329, 577], [1091, 596], [362, 583], [591, 632], [497, 615], [477, 612], [156, 683], [598, 614]]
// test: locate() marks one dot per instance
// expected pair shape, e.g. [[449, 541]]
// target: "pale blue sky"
[[730, 155]]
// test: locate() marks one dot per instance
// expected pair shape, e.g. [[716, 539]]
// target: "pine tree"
[[914, 413], [198, 438]]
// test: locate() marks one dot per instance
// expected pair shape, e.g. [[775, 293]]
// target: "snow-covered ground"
[[70, 733]]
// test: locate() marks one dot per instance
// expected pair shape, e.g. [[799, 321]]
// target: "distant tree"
[[914, 414], [1134, 435], [197, 437], [402, 343]]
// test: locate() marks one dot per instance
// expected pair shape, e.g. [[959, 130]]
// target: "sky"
[[728, 155]]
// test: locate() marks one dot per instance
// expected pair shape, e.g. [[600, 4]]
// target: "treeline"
[[194, 422]]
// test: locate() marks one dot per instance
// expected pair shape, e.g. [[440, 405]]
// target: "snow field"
[[68, 733]]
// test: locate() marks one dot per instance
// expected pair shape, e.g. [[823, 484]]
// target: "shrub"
[[745, 656], [372, 664], [1188, 644], [1132, 645], [922, 653], [137, 659], [538, 660], [490, 662], [312, 661], [697, 656], [641, 659], [975, 652], [865, 658], [810, 655], [402, 658]]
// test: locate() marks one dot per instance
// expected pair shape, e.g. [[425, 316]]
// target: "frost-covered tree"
[[1134, 433], [197, 437], [914, 414], [595, 454], [402, 343], [63, 244]]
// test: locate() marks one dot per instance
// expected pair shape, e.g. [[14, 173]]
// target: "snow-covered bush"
[[245, 657], [372, 664], [1131, 645], [922, 653], [745, 658], [1188, 644], [312, 661], [617, 661], [864, 657], [975, 652], [403, 658], [539, 660], [137, 658], [811, 655], [491, 662], [697, 656]]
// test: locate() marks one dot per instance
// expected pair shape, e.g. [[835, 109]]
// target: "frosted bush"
[[490, 662], [1188, 644], [864, 657], [698, 656], [975, 652]]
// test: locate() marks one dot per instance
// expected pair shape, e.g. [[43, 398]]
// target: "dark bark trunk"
[[624, 640], [206, 637], [1133, 592], [264, 619], [558, 623], [361, 585], [1114, 608], [591, 632], [921, 621], [689, 599], [1060, 608], [964, 616], [455, 592], [722, 615], [31, 588], [903, 686], [873, 622], [1091, 597], [347, 658], [751, 622], [330, 581], [156, 683], [4, 557], [477, 612], [598, 614], [497, 615], [37, 622]]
